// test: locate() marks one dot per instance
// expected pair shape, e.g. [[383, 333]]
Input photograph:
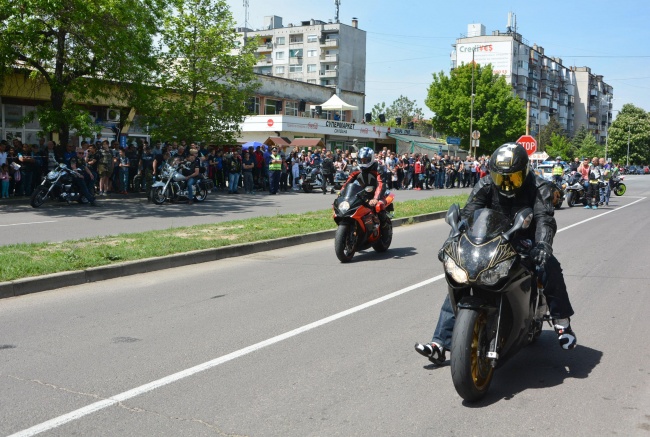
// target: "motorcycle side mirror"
[[523, 219], [453, 215]]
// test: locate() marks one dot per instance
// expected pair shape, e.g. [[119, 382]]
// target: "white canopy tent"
[[336, 104]]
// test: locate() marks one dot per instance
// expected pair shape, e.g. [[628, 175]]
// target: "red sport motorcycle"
[[358, 223]]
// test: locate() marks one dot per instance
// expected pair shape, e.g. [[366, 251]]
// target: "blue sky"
[[409, 40]]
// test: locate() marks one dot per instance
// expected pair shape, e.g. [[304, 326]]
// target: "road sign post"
[[529, 143]]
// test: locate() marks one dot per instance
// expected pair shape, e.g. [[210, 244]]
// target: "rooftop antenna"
[[338, 4], [246, 14]]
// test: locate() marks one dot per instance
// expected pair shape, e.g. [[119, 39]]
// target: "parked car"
[[646, 170], [545, 171], [630, 170]]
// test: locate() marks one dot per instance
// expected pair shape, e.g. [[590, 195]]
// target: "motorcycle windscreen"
[[486, 224], [350, 191]]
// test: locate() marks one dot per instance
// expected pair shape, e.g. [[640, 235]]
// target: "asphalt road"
[[20, 223], [293, 343]]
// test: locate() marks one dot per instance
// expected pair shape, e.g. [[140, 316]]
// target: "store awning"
[[415, 144], [308, 142], [277, 141]]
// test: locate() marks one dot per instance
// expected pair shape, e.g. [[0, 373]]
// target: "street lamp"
[[609, 101], [628, 145]]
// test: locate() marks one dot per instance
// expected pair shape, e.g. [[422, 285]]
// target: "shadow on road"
[[392, 253], [538, 366]]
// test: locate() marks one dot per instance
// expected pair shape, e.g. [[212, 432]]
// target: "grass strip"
[[34, 259]]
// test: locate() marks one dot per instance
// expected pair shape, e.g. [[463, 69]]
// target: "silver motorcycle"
[[172, 186]]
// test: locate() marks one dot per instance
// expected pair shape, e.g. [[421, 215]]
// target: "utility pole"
[[471, 110], [628, 145]]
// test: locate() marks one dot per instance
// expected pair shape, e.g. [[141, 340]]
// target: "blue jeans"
[[555, 291], [605, 192], [233, 182], [190, 188], [124, 178]]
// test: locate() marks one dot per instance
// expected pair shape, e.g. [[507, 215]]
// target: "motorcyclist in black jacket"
[[370, 174], [508, 188]]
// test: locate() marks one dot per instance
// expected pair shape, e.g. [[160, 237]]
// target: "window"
[[295, 69], [272, 107], [291, 108], [312, 38], [311, 68], [279, 69], [296, 53], [312, 53], [279, 55], [254, 105], [279, 40]]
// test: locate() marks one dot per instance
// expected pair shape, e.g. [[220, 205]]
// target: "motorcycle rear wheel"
[[201, 194], [383, 243], [471, 371], [307, 188], [620, 189], [158, 195], [38, 197], [344, 242]]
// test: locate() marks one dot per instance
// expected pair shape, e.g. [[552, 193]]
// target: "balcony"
[[265, 47], [330, 42], [329, 58], [264, 61], [329, 73], [294, 41], [295, 60]]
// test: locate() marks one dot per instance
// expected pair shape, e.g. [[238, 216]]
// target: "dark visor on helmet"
[[366, 160]]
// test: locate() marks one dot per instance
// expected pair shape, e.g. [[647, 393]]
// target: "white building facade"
[[319, 53], [572, 94]]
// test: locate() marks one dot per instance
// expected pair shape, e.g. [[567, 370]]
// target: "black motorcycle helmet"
[[509, 168], [366, 158]]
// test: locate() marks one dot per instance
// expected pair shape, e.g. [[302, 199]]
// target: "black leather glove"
[[541, 253]]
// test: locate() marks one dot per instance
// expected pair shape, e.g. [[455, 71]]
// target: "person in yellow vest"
[[275, 170], [558, 170]]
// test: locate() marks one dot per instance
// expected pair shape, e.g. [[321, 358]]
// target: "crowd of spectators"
[[132, 169]]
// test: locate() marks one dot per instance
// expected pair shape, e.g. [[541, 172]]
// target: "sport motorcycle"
[[494, 290], [311, 178], [358, 222], [618, 187], [575, 190]]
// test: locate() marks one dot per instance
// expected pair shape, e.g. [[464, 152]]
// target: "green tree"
[[590, 148], [579, 137], [406, 109], [632, 123], [560, 145], [83, 50], [208, 79], [498, 114], [546, 133], [379, 108]]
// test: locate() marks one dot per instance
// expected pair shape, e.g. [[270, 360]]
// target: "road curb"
[[37, 284]]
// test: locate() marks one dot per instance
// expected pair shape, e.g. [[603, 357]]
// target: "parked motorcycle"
[[339, 179], [493, 287], [58, 184], [358, 223], [558, 189], [172, 186], [618, 187], [575, 190], [311, 178]]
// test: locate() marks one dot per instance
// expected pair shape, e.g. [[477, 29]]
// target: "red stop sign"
[[529, 143]]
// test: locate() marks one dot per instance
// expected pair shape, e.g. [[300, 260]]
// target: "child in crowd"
[[4, 181]]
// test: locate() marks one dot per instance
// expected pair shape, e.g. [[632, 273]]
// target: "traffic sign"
[[453, 140], [529, 143], [476, 135]]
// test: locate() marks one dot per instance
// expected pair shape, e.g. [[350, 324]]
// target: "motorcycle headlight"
[[493, 275], [457, 274], [344, 206], [52, 175]]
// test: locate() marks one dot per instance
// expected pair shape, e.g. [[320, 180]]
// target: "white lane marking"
[[77, 414], [30, 223], [100, 405], [600, 215]]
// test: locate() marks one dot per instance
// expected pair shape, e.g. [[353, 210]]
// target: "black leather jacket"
[[535, 193]]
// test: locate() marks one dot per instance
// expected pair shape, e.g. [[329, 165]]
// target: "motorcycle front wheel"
[[158, 195], [471, 371], [307, 188], [344, 242], [570, 199], [620, 189], [38, 196]]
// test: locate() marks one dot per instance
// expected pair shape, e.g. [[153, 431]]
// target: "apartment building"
[[316, 52], [573, 94]]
